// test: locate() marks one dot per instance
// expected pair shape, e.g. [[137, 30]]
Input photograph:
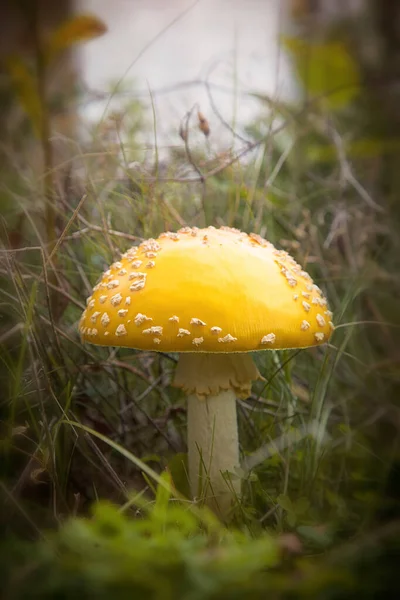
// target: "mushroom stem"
[[213, 450], [212, 383]]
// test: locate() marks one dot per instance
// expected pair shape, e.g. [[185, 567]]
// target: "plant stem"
[[47, 150], [213, 448]]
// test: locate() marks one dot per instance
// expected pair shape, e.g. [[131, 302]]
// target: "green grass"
[[319, 439]]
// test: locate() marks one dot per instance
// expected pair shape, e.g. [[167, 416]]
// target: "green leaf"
[[163, 495], [108, 520], [318, 535], [151, 458], [285, 502], [177, 466], [81, 28], [325, 69], [301, 506], [291, 519], [25, 88]]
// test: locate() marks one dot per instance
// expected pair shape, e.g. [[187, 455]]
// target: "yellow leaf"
[[301, 392], [358, 149], [81, 28], [326, 70], [25, 88]]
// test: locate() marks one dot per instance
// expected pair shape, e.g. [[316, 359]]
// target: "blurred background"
[[123, 119]]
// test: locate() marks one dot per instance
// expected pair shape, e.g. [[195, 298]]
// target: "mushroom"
[[214, 296]]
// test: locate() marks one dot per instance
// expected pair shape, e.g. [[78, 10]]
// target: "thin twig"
[[215, 108]]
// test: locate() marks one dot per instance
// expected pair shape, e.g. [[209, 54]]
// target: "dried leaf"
[[36, 474], [183, 132], [204, 125], [19, 430]]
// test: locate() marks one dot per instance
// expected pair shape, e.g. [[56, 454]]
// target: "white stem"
[[213, 448], [212, 382]]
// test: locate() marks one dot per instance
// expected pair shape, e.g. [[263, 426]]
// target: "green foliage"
[[293, 510], [163, 553]]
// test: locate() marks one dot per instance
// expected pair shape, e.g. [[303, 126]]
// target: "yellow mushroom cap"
[[206, 290]]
